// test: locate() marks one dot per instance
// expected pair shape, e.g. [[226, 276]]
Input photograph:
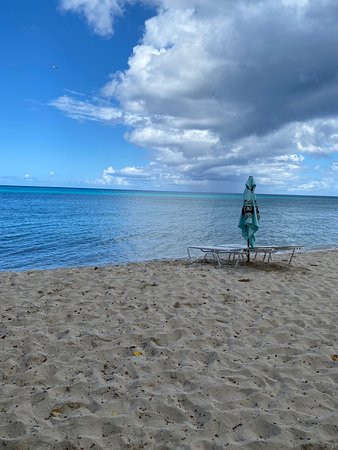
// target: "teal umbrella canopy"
[[249, 220]]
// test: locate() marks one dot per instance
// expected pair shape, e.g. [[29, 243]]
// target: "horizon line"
[[164, 191]]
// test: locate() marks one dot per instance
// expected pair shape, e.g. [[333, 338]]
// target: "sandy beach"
[[171, 355]]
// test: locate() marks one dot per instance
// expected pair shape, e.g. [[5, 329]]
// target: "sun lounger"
[[216, 251], [240, 253], [268, 250]]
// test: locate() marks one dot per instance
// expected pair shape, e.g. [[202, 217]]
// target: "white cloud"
[[130, 170], [82, 110], [100, 14], [71, 91], [316, 184], [293, 158], [183, 144], [119, 177], [319, 136], [108, 177]]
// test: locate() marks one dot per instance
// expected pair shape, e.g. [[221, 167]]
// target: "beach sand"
[[171, 355]]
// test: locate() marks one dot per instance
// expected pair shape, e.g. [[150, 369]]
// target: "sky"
[[184, 95]]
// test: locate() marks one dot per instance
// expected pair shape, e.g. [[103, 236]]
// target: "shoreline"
[[161, 260], [171, 354]]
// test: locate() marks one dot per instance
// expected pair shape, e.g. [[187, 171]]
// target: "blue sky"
[[179, 95], [35, 138]]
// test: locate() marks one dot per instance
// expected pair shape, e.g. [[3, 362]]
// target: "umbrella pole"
[[248, 250]]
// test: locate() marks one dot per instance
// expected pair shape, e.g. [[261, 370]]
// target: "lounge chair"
[[234, 252], [240, 253], [268, 250]]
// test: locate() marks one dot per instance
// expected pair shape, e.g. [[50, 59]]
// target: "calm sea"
[[57, 227]]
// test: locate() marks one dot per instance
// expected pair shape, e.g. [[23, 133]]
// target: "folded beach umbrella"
[[249, 220]]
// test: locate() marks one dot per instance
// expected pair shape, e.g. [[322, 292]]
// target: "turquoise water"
[[62, 227]]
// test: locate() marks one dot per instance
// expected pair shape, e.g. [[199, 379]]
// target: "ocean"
[[45, 228]]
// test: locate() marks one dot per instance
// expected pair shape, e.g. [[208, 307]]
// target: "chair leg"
[[240, 256], [293, 252]]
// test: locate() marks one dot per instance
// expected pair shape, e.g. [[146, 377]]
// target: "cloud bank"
[[219, 90]]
